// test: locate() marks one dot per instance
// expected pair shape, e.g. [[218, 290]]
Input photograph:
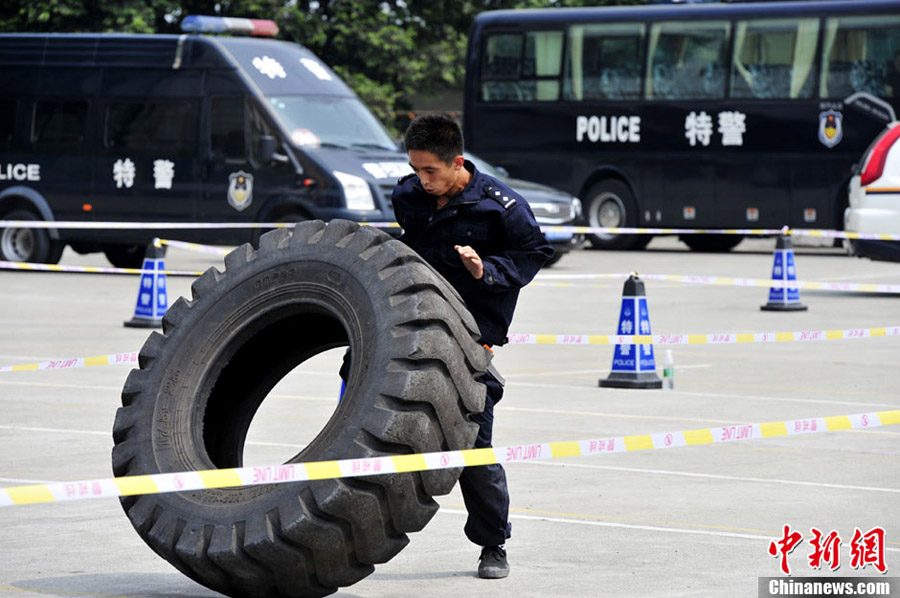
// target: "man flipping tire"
[[483, 238]]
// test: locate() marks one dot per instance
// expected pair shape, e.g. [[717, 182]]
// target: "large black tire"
[[411, 389], [610, 204], [28, 244]]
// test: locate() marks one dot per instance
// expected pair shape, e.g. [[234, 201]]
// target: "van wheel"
[[200, 383], [28, 244], [124, 255], [610, 204], [711, 243]]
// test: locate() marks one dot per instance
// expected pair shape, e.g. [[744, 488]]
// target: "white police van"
[[179, 128]]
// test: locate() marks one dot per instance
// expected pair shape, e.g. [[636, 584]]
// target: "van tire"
[[200, 382], [610, 203], [28, 244]]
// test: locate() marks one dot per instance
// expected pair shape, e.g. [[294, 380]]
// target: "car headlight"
[[576, 208], [547, 209], [357, 192]]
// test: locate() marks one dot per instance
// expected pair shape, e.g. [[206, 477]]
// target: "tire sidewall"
[[212, 332]]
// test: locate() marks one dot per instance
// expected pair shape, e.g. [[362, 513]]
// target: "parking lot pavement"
[[690, 521]]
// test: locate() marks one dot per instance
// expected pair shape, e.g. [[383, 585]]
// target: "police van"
[[179, 128]]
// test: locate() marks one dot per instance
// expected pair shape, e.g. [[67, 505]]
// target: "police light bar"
[[205, 24]]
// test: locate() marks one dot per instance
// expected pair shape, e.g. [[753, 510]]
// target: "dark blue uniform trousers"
[[484, 487]]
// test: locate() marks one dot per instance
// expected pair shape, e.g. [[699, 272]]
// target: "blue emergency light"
[[206, 24]]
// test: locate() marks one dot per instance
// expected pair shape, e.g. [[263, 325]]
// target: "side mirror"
[[267, 151]]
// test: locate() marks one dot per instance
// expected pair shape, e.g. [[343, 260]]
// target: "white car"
[[875, 198]]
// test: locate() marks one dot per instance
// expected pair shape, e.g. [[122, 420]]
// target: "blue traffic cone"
[[633, 366], [151, 300], [784, 270]]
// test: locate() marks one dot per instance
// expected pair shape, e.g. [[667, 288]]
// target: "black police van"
[[179, 128]]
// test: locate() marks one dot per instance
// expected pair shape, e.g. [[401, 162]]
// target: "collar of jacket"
[[473, 192]]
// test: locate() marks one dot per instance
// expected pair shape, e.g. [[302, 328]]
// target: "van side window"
[[259, 126], [774, 58], [7, 121], [228, 139], [59, 121], [522, 68], [169, 127], [859, 54], [603, 62], [687, 60]]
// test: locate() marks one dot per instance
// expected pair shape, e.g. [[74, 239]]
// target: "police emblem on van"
[[240, 189], [830, 129]]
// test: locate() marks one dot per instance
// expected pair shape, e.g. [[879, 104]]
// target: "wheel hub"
[[17, 243]]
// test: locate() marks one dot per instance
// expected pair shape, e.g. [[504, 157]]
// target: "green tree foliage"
[[387, 51]]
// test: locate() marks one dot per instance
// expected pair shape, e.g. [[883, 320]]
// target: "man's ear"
[[458, 162]]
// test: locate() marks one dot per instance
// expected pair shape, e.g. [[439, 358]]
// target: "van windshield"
[[331, 121]]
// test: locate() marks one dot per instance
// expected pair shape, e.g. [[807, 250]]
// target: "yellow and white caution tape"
[[616, 230], [35, 267], [840, 234], [747, 232], [109, 225], [539, 280], [720, 338], [845, 287], [76, 362], [350, 468], [632, 230], [759, 282], [212, 249]]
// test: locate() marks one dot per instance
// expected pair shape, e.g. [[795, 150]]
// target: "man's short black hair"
[[437, 134]]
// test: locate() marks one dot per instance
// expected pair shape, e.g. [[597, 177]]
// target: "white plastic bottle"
[[668, 371]]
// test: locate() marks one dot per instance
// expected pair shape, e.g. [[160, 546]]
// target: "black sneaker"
[[493, 563]]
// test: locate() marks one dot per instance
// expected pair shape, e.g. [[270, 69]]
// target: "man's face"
[[438, 177]]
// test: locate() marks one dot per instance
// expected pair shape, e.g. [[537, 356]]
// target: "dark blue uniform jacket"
[[497, 223]]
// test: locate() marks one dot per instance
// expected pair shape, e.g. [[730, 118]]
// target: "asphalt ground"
[[690, 521]]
